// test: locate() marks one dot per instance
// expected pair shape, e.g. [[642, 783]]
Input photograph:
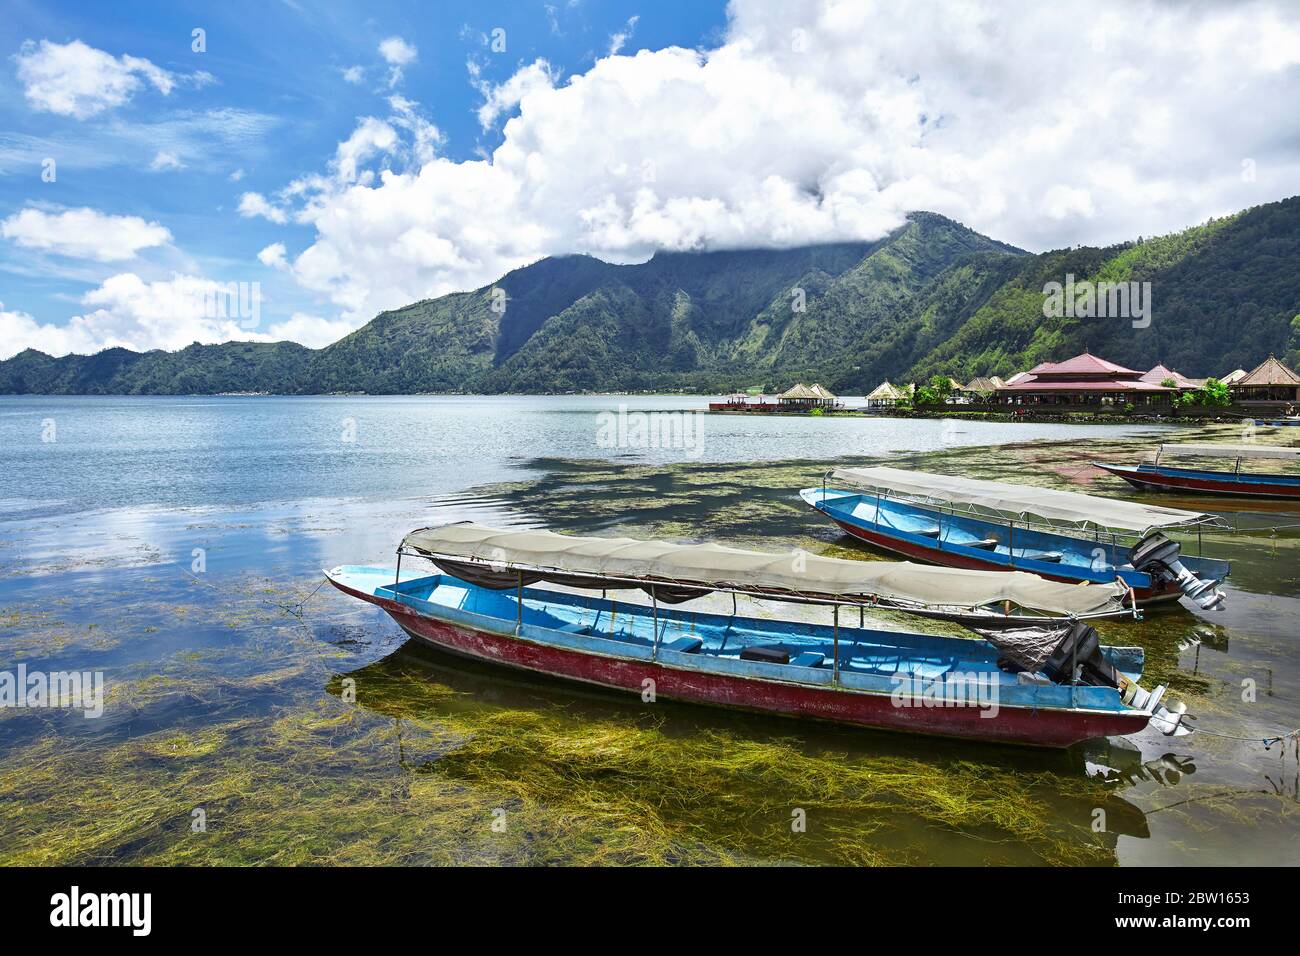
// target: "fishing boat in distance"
[[993, 525], [1040, 677], [1236, 483]]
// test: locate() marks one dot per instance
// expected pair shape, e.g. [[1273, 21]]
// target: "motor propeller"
[[1159, 556]]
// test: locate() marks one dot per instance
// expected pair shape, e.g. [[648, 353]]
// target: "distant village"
[[1085, 383]]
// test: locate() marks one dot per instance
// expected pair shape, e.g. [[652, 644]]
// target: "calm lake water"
[[175, 545]]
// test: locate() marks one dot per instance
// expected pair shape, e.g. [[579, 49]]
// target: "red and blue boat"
[[991, 525], [1160, 476], [1037, 675]]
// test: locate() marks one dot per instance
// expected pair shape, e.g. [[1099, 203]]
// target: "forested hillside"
[[932, 297]]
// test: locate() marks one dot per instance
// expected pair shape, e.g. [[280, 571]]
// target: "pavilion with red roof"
[[1084, 380]]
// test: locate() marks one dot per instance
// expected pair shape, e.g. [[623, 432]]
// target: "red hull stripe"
[[1236, 489], [1017, 725]]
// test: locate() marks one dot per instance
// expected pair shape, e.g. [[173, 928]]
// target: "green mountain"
[[931, 297]]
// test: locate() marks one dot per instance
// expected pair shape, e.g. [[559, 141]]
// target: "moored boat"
[[1039, 677], [1158, 475], [992, 525]]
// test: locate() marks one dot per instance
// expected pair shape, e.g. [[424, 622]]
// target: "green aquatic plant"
[[312, 740]]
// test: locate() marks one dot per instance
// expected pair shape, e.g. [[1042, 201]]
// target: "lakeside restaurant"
[[1162, 373], [1269, 383], [1083, 381], [805, 398], [980, 389], [800, 398], [887, 395]]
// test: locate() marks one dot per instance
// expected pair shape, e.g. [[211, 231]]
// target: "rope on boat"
[[293, 610], [1271, 529], [1268, 742], [296, 609]]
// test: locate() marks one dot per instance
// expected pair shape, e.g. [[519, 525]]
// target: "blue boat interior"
[[1098, 558], [870, 659]]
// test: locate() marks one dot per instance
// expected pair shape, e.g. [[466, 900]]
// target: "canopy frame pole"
[[519, 605], [654, 610], [835, 674], [1074, 666], [1011, 544], [397, 578], [1236, 469]]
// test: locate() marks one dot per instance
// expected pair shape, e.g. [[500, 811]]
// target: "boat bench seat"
[[1052, 557], [808, 659], [929, 531], [984, 544], [575, 628], [686, 645]]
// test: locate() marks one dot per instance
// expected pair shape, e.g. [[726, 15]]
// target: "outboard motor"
[[1158, 556], [1072, 654]]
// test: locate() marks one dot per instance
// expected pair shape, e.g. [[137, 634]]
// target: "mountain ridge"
[[931, 297]]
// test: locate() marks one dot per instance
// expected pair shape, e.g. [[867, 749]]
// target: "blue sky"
[[277, 106], [354, 157]]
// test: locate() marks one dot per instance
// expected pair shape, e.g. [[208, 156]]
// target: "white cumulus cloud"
[[164, 160], [255, 204], [310, 330], [1044, 125], [504, 97], [83, 233], [126, 311], [815, 121], [273, 256], [74, 79], [397, 52]]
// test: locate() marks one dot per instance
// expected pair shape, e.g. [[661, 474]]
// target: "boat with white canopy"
[[1237, 483], [1039, 675], [993, 525]]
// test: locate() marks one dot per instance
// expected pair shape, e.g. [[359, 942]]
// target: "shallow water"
[[169, 543]]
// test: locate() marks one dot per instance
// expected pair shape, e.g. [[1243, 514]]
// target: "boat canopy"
[[1230, 451], [1021, 501], [501, 559]]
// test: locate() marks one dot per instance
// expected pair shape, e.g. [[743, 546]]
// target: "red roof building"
[[1082, 381], [1269, 382], [1162, 373]]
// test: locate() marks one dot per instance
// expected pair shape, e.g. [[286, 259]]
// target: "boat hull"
[[1146, 596], [1011, 725], [1206, 482], [900, 528]]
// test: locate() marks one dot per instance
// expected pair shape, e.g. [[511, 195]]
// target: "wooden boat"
[[992, 525], [1039, 684], [1236, 483]]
